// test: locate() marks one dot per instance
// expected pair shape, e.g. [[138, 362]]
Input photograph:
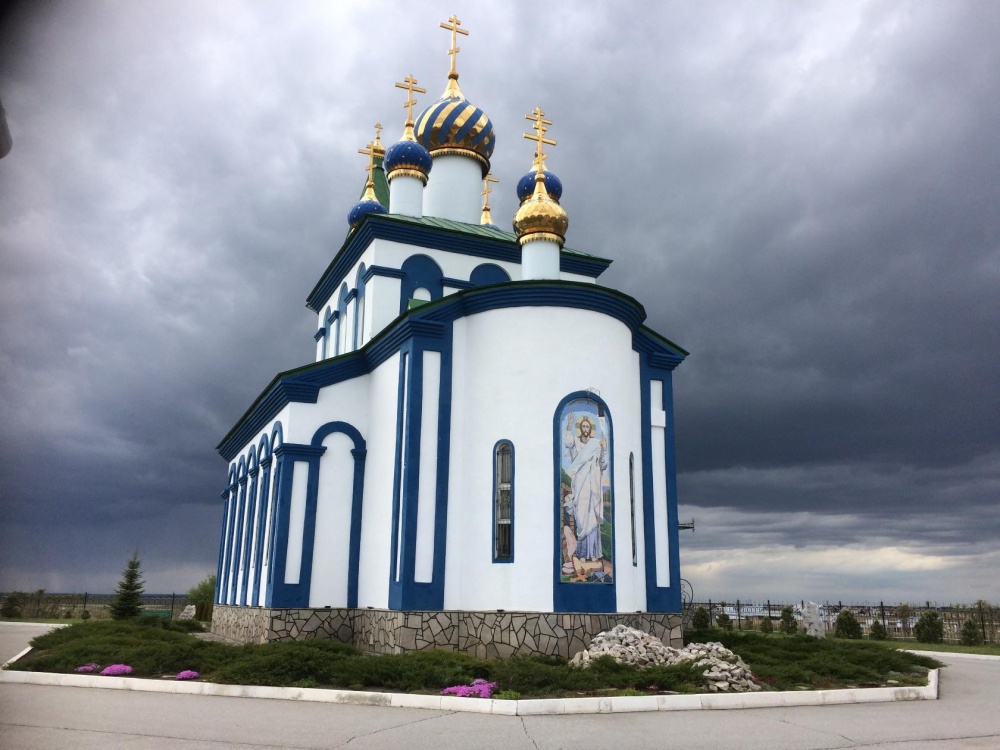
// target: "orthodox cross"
[[538, 117], [487, 189], [453, 28], [410, 84], [370, 153]]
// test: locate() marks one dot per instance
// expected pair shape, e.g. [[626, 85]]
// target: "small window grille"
[[503, 473]]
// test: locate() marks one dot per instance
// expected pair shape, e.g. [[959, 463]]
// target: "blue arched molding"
[[580, 597], [297, 457], [419, 271], [226, 496], [264, 454], [328, 319], [253, 467], [407, 593], [359, 453], [359, 323], [341, 316], [513, 470], [653, 367], [488, 273]]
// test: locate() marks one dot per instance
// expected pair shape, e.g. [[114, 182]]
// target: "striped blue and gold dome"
[[455, 123]]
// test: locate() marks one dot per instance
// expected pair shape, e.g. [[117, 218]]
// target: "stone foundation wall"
[[481, 634], [242, 624]]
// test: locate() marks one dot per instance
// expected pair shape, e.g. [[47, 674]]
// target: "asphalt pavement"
[[40, 717]]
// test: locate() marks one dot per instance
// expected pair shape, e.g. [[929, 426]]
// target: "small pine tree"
[[13, 604], [877, 632], [700, 620], [127, 602], [788, 625], [971, 634], [847, 625], [766, 626], [929, 628], [724, 621]]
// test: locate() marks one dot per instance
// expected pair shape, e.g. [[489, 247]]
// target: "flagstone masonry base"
[[481, 634]]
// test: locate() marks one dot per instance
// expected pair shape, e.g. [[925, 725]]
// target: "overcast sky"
[[806, 196]]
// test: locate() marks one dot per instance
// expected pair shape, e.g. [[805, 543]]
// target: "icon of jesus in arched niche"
[[585, 494]]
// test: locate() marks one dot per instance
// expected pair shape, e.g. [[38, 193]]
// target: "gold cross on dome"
[[453, 28], [370, 153], [487, 189], [410, 84], [538, 117], [378, 130]]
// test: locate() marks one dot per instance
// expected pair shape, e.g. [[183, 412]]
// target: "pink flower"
[[116, 669], [187, 674], [87, 667], [479, 688]]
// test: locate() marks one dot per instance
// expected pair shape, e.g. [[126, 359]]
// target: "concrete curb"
[[955, 655], [624, 704]]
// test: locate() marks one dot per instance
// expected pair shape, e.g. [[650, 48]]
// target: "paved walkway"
[[40, 717]]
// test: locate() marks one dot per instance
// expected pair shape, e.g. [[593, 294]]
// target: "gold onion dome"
[[540, 217], [453, 124]]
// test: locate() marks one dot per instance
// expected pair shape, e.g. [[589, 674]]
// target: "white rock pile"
[[724, 671]]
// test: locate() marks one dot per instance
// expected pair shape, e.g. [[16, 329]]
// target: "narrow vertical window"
[[631, 497], [503, 502]]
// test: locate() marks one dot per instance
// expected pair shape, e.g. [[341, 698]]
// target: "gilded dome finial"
[[487, 218], [370, 152], [410, 84], [453, 26], [369, 203], [376, 145], [540, 217]]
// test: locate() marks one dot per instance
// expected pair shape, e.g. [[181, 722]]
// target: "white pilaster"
[[406, 196], [540, 260]]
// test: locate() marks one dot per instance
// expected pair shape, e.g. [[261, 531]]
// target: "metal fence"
[[898, 620], [41, 604]]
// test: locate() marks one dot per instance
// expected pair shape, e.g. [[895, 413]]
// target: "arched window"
[[419, 272], [359, 316], [503, 502], [488, 273], [327, 332]]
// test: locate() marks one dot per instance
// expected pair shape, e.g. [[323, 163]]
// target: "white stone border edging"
[[530, 707]]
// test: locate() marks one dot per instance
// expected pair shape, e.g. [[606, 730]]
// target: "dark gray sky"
[[804, 195]]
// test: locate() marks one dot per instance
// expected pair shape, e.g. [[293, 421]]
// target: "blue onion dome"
[[526, 186], [407, 157], [362, 208], [454, 125]]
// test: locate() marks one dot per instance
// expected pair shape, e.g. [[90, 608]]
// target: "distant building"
[[481, 457]]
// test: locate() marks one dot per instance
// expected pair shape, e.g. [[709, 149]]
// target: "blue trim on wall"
[[224, 496], [253, 468], [359, 453], [488, 273], [581, 597], [513, 468], [302, 384], [394, 229], [457, 283], [384, 271], [658, 598], [400, 469], [299, 458], [359, 288], [420, 272]]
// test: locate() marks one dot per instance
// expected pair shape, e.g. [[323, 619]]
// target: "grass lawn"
[[155, 648]]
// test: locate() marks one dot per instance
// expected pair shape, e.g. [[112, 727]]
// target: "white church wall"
[[376, 539], [331, 551], [502, 391], [658, 420], [453, 265], [453, 189], [382, 304]]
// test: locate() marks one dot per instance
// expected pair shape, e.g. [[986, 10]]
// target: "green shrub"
[[766, 626], [929, 628], [13, 604], [788, 626], [877, 631], [201, 596], [724, 621], [85, 615], [700, 619], [185, 626], [507, 695], [847, 625], [971, 634]]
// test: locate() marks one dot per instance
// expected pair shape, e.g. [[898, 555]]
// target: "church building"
[[481, 456]]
